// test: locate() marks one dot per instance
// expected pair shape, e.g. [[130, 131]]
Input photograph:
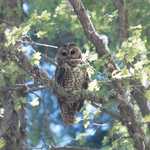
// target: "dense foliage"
[[54, 22]]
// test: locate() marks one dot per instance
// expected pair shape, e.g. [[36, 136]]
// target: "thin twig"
[[7, 22], [38, 44], [28, 88], [111, 113], [72, 148]]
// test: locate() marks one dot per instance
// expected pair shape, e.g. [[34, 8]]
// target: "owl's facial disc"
[[69, 54], [74, 57]]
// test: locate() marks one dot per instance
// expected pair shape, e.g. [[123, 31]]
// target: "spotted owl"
[[71, 76]]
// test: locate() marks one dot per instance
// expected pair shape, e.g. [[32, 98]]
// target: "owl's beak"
[[74, 62]]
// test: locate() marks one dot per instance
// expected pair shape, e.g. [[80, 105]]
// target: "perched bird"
[[72, 77]]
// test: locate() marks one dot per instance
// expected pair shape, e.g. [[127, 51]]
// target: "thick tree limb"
[[126, 111], [142, 102], [123, 34], [122, 20], [100, 41], [12, 125]]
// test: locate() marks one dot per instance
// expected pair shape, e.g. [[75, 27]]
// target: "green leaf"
[[19, 103], [147, 118], [147, 94], [86, 124], [45, 16], [2, 143], [41, 34], [93, 86], [36, 58]]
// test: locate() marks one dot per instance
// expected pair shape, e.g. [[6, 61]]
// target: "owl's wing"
[[59, 75], [80, 103], [86, 81]]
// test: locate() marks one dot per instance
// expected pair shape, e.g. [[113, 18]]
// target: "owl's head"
[[70, 54]]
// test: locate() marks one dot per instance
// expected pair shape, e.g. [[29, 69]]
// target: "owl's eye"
[[72, 52], [64, 53]]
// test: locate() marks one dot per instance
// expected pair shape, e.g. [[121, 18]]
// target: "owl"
[[71, 76]]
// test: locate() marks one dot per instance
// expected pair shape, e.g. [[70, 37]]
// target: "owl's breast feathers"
[[71, 79]]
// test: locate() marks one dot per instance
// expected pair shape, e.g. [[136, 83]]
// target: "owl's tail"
[[68, 111], [68, 118]]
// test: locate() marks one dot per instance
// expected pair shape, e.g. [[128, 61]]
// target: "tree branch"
[[71, 148], [123, 34], [42, 81], [100, 41], [141, 101], [37, 43], [126, 111], [122, 20], [26, 88], [111, 113]]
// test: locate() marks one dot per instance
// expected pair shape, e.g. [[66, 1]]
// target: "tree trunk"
[[122, 20], [12, 125], [123, 34], [126, 112]]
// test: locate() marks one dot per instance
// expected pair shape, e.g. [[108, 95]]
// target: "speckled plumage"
[[71, 76]]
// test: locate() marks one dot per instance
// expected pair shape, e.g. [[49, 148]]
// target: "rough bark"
[[12, 125], [9, 129], [142, 102], [123, 34], [126, 111], [97, 39], [100, 43], [138, 95], [122, 20]]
